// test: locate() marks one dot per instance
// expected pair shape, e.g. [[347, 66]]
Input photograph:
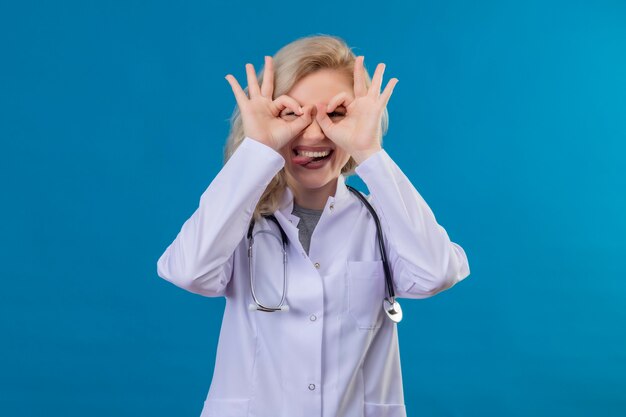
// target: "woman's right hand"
[[261, 115]]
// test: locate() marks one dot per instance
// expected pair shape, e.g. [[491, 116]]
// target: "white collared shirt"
[[334, 353]]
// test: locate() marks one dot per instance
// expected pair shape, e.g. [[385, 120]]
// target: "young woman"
[[309, 327]]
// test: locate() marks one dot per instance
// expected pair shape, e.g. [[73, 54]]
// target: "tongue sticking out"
[[301, 160], [304, 160]]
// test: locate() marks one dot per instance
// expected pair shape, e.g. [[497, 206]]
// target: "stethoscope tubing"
[[381, 244], [394, 311], [285, 242]]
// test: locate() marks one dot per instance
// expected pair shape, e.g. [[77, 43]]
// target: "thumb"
[[304, 120]]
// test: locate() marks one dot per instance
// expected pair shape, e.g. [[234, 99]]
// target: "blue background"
[[509, 118]]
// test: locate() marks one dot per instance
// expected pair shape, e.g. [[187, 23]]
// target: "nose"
[[313, 131]]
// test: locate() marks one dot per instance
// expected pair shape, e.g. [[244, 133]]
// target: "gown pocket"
[[366, 290], [226, 407]]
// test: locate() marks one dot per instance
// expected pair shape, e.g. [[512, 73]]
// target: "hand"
[[360, 132], [260, 115]]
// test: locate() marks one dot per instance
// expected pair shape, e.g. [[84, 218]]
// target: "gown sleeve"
[[200, 259], [421, 256]]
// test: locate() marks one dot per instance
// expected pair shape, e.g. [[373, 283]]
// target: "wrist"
[[361, 156], [263, 140], [263, 145]]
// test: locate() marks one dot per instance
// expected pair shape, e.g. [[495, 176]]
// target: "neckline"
[[306, 210], [342, 194]]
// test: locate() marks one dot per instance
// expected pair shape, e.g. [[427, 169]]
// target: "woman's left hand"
[[359, 133]]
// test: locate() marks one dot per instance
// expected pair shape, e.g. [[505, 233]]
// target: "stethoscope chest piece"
[[393, 310]]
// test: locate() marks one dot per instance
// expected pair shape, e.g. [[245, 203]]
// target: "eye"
[[339, 112], [288, 114]]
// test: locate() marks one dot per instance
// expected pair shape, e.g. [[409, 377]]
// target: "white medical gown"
[[334, 353]]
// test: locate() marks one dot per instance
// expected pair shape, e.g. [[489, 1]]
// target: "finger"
[[286, 101], [377, 80], [322, 118], [267, 89], [240, 95], [253, 83], [334, 102], [301, 122], [388, 90], [360, 88]]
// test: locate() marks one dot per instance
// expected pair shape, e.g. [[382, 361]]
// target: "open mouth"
[[303, 157]]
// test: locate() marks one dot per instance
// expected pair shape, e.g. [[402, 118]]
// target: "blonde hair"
[[292, 63]]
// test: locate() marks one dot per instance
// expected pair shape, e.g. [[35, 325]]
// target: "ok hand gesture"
[[359, 133], [260, 114]]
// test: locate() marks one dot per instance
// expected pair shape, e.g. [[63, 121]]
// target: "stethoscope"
[[390, 306]]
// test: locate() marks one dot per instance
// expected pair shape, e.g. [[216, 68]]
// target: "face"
[[318, 87]]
